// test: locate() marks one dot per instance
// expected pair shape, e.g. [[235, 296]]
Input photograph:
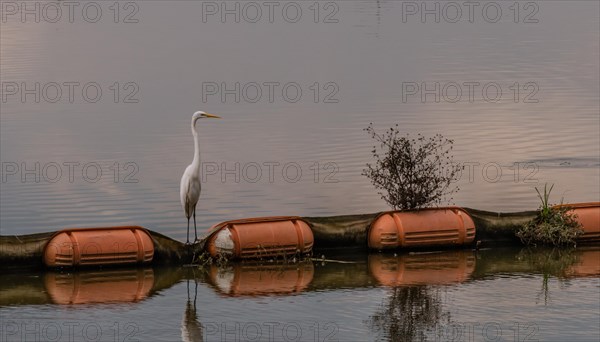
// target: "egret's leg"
[[195, 233], [188, 231]]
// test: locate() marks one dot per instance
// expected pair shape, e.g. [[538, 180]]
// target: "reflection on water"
[[561, 263], [564, 263], [255, 280], [408, 313], [252, 279], [422, 269], [104, 286], [415, 289], [191, 328]]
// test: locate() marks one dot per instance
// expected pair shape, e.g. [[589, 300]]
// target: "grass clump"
[[553, 225]]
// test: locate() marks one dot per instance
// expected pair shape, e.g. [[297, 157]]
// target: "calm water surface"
[[499, 295], [166, 61]]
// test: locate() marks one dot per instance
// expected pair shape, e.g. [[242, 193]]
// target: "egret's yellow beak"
[[206, 115]]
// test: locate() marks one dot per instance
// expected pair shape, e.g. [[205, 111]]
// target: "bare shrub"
[[412, 172]]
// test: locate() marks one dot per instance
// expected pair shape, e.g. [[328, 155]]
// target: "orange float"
[[257, 280], [261, 237], [99, 247], [108, 286], [420, 269], [449, 226], [588, 215]]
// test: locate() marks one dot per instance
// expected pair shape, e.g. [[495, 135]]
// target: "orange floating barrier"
[[99, 247], [449, 226], [419, 269], [261, 237], [257, 280], [588, 215], [114, 286]]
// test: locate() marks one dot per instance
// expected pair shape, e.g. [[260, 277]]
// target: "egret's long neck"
[[196, 161]]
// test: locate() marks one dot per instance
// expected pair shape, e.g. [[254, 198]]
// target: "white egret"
[[189, 189]]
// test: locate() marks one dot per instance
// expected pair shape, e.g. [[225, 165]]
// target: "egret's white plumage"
[[189, 188]]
